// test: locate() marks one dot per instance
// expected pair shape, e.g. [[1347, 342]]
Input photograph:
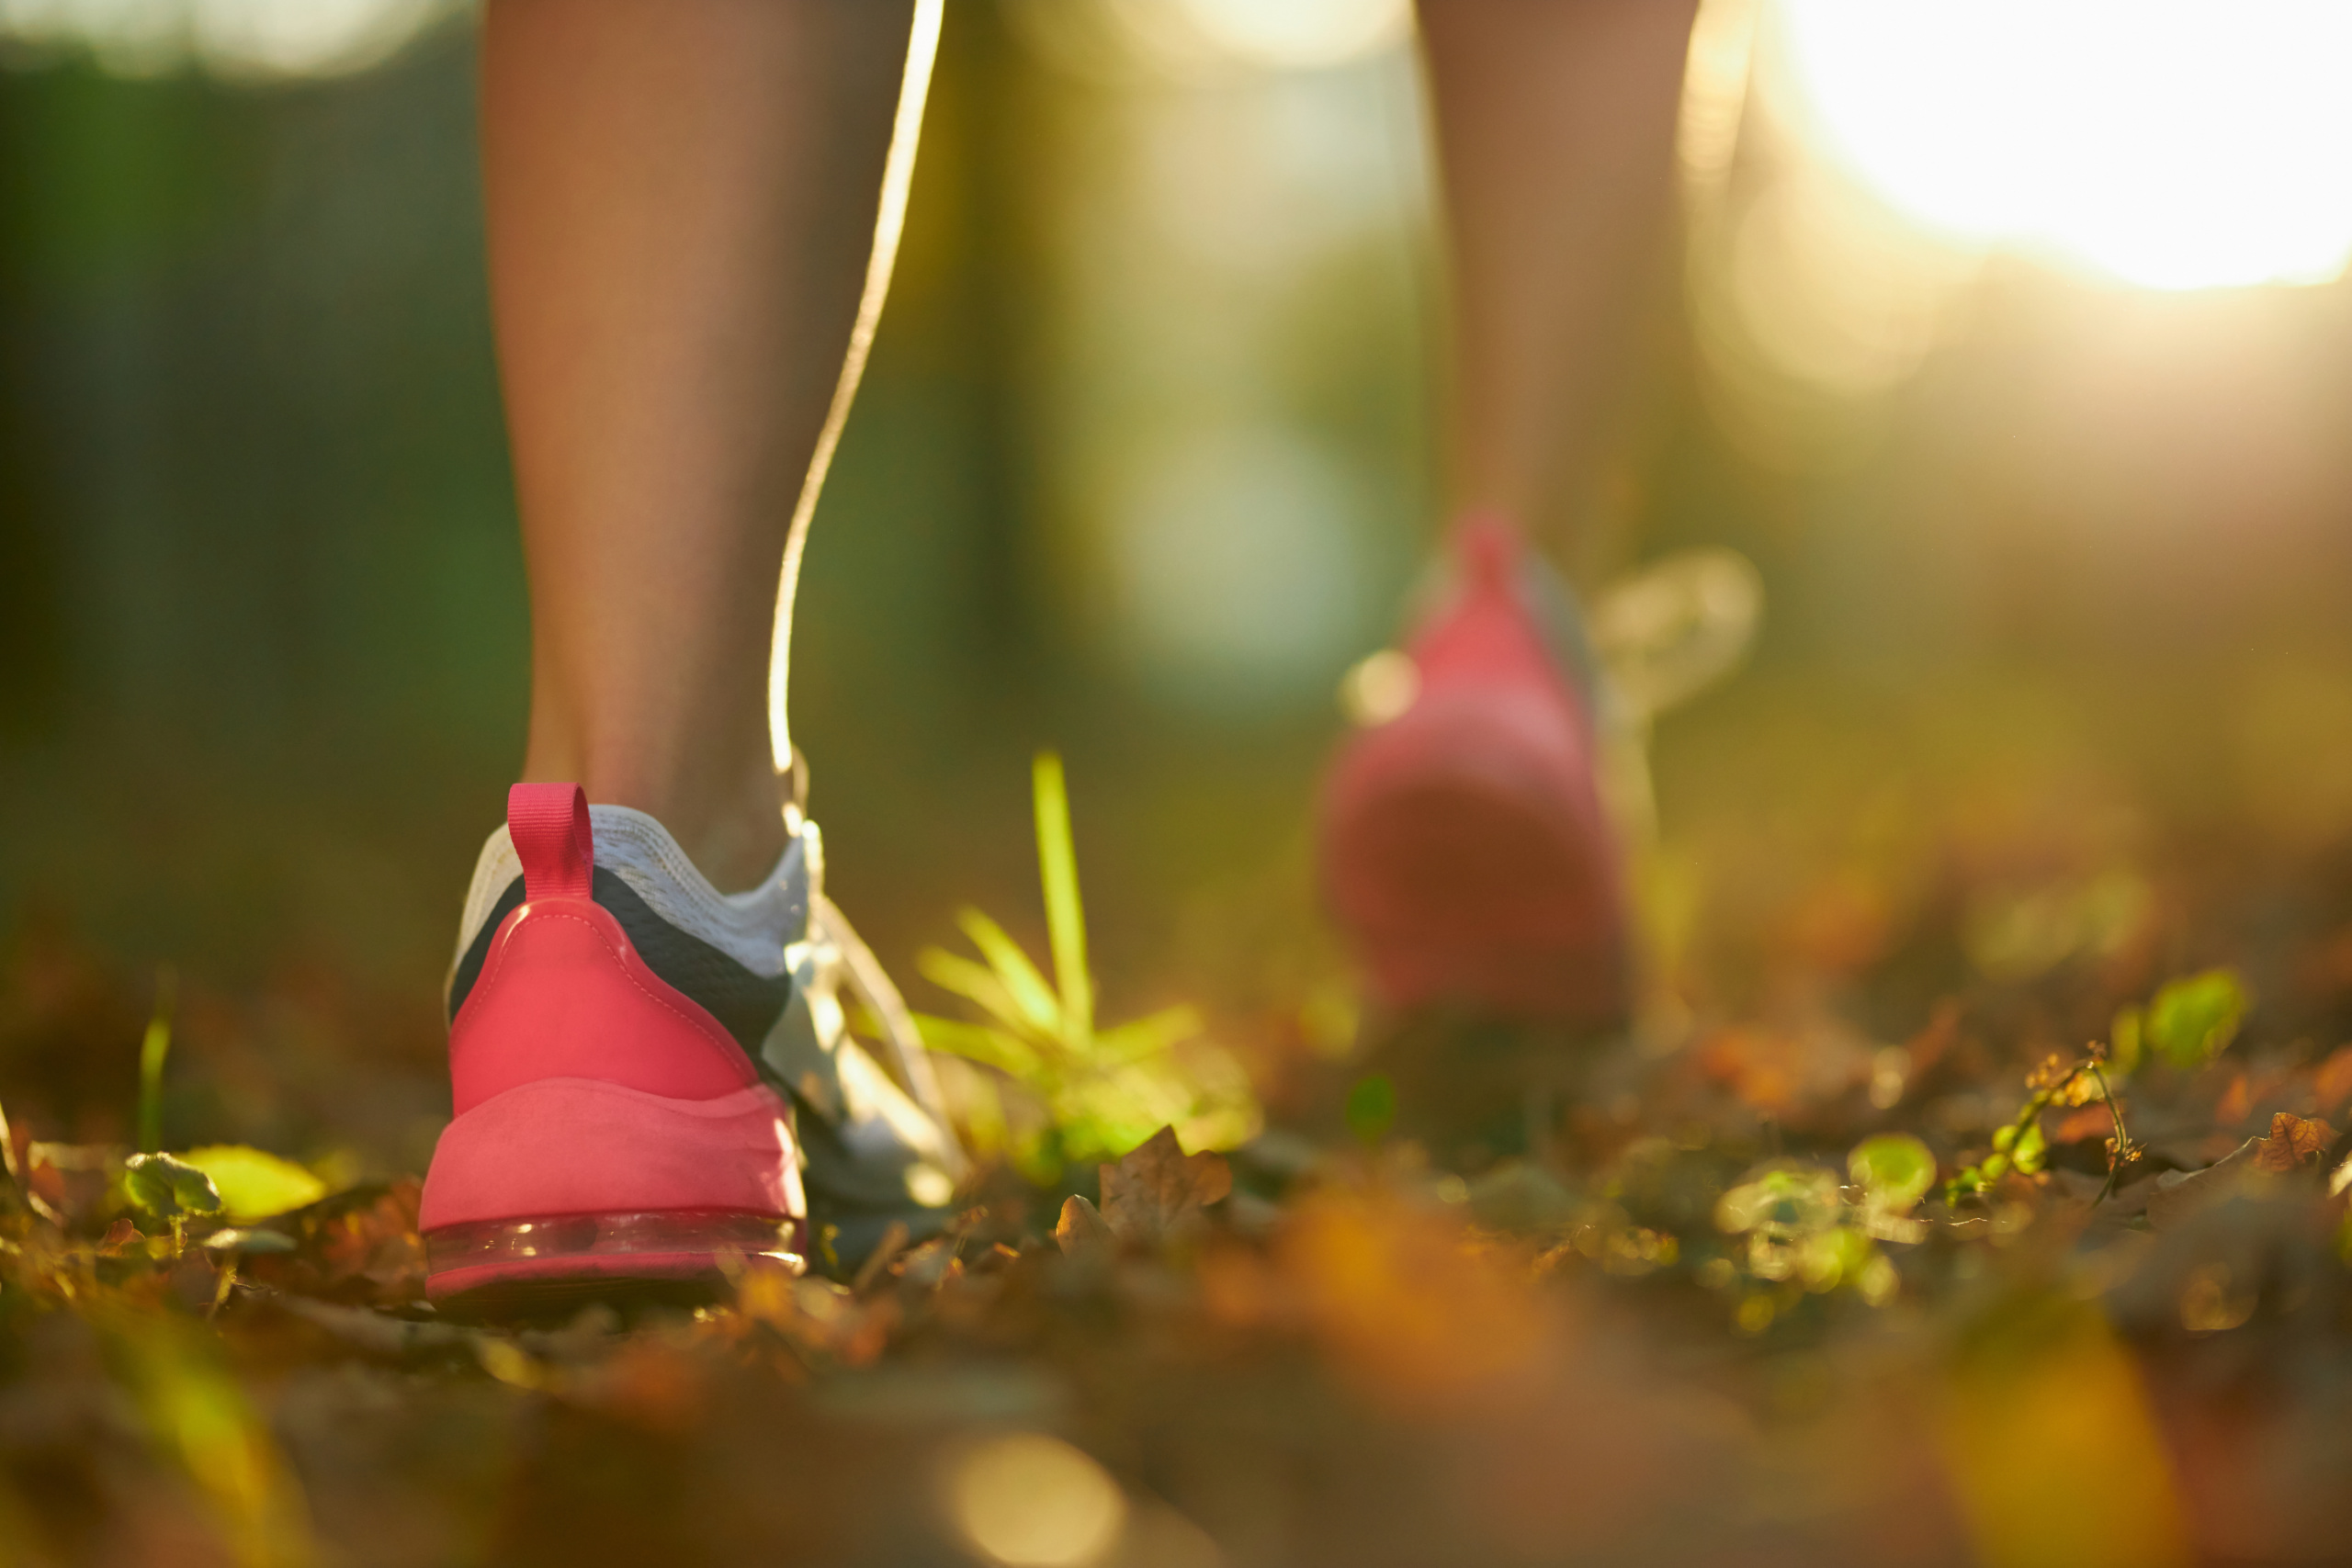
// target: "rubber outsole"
[[677, 1256], [551, 1302]]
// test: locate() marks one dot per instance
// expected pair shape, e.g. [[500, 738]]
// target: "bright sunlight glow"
[[2170, 143], [1298, 34], [245, 39]]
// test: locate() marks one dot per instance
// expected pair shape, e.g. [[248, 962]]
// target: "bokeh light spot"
[[1239, 559], [1380, 687], [1030, 1501], [262, 39]]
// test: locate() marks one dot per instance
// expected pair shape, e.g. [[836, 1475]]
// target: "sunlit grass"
[[1081, 1094]]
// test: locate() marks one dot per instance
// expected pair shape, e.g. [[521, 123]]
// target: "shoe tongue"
[[1498, 566], [549, 823]]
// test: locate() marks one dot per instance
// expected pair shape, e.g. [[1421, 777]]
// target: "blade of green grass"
[[975, 982], [197, 1413], [1065, 917], [979, 1042], [1146, 1036], [1020, 978], [154, 1047]]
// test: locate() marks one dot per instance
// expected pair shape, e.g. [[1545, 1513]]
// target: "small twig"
[[893, 1241], [375, 1333], [9, 1152], [2125, 1150], [2042, 1100]]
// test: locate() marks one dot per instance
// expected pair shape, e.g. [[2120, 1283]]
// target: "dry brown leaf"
[[1839, 925], [1407, 1302], [2083, 1088], [69, 1184], [1158, 1190], [2236, 1103], [648, 1383], [1763, 1070], [1083, 1232], [2080, 1126], [931, 1265], [1928, 1047], [2293, 1143], [377, 1244], [2054, 1070], [2333, 1083], [2172, 1202]]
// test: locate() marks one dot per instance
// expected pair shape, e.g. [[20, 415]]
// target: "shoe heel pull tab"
[[549, 823]]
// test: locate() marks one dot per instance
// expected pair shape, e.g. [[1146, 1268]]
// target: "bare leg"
[[682, 201], [1555, 137]]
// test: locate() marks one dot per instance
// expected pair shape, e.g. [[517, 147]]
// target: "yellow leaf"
[[2053, 1446], [254, 1184]]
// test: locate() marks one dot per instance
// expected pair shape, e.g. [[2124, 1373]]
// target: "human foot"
[[1465, 847], [631, 1053]]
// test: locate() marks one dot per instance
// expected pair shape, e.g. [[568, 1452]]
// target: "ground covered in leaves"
[[2007, 1226]]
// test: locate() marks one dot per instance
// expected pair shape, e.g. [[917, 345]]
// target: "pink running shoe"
[[1464, 846], [608, 1127]]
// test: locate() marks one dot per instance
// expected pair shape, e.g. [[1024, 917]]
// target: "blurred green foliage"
[[2191, 1020], [1370, 1108]]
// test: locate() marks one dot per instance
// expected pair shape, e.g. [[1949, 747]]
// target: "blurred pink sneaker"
[[1465, 847], [609, 1128]]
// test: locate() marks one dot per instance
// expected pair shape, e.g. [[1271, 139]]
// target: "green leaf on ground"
[[2193, 1019], [1894, 1169], [164, 1185]]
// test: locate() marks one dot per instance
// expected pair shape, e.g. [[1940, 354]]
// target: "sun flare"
[[2174, 144]]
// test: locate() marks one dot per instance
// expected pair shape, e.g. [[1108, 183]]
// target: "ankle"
[[729, 821], [735, 841]]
